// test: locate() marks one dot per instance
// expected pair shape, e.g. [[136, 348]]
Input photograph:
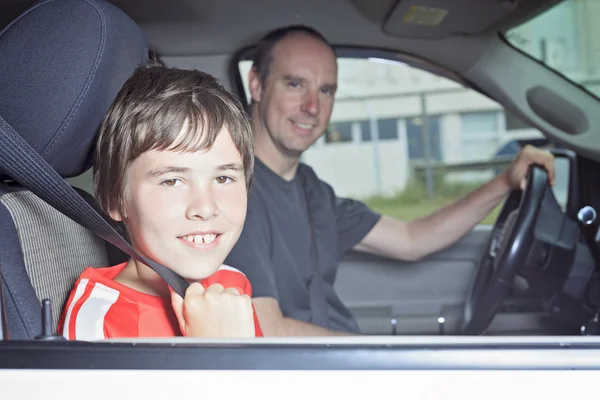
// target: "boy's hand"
[[214, 313]]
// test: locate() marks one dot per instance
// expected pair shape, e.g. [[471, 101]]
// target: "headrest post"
[[3, 321]]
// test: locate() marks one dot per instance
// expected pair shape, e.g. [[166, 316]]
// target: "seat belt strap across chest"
[[23, 164]]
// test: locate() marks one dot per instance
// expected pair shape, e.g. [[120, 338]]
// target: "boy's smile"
[[201, 240], [185, 209]]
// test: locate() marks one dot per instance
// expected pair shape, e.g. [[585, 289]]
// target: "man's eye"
[[172, 182], [294, 84], [328, 92], [223, 179]]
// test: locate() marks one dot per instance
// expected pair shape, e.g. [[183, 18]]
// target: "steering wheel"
[[506, 252]]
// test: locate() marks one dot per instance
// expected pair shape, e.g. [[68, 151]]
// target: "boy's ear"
[[116, 215], [255, 85]]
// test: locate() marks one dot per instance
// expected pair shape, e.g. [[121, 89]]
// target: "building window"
[[476, 123], [416, 138], [339, 132], [386, 128], [479, 135]]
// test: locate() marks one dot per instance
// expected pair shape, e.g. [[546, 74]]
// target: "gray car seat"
[[63, 62]]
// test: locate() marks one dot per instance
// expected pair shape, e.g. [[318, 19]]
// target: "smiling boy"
[[173, 163]]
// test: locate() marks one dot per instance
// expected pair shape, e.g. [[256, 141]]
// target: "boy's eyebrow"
[[162, 170], [158, 171], [231, 166]]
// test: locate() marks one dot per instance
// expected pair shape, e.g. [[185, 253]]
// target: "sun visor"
[[437, 19]]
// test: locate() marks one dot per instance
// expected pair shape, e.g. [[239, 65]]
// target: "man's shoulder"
[[315, 185], [266, 190]]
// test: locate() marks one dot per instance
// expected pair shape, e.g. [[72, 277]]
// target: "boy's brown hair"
[[149, 113]]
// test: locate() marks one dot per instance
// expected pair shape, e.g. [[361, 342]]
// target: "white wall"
[[351, 169]]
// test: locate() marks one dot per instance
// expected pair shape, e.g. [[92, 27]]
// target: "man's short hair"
[[150, 112], [263, 53]]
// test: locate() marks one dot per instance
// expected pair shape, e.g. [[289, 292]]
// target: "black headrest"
[[62, 63]]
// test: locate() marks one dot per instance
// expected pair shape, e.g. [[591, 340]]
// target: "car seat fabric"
[[63, 63], [54, 249]]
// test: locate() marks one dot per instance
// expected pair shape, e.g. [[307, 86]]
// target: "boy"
[[173, 162]]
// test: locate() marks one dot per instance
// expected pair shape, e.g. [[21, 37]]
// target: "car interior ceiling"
[[207, 32], [171, 27], [461, 45]]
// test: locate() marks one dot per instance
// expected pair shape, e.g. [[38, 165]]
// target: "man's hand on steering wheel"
[[511, 237], [515, 174]]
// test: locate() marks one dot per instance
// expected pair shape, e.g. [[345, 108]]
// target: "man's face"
[[186, 210], [294, 103]]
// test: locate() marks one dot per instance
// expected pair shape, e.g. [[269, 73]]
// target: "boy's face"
[[186, 210]]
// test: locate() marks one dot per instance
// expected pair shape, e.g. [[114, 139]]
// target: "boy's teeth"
[[201, 239]]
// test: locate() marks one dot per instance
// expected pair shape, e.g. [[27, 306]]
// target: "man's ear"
[[255, 85]]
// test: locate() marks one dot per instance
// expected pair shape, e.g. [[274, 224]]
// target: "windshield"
[[566, 38]]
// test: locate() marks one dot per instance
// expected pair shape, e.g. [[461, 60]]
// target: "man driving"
[[296, 228]]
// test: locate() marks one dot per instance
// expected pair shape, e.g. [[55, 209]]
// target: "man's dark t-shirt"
[[274, 247]]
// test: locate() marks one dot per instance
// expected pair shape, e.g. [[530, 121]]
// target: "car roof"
[[202, 27]]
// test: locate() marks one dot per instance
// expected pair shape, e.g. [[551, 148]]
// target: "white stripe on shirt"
[[78, 293], [228, 268], [89, 323]]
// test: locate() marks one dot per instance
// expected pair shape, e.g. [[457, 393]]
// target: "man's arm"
[[416, 239], [273, 323]]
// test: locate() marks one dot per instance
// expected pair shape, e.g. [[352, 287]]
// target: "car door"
[[425, 297]]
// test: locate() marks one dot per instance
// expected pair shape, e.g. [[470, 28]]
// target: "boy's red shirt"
[[99, 307]]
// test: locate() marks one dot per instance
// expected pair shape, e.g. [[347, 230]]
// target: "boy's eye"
[[223, 179], [172, 182]]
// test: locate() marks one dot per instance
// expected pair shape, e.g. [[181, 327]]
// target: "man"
[[297, 229]]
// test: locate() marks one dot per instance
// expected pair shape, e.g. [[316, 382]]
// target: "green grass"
[[413, 202]]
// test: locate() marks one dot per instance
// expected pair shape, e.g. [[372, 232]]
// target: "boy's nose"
[[203, 207]]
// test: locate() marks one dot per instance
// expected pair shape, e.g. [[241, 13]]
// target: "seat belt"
[[316, 286], [23, 164]]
